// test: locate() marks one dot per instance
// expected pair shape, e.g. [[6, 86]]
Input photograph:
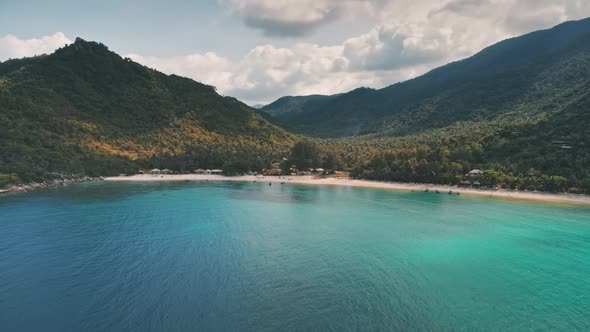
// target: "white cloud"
[[208, 68], [298, 18], [13, 47], [264, 72], [267, 72], [537, 15], [407, 38], [394, 47]]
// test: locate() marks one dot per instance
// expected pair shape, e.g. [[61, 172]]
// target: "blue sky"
[[152, 27], [259, 50], [159, 28]]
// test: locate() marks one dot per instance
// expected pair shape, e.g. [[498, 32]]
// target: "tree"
[[330, 162], [305, 154]]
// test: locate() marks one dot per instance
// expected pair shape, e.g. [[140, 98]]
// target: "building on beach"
[[475, 172], [465, 184]]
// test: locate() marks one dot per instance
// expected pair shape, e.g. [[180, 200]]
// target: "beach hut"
[[199, 171], [166, 171], [216, 171], [272, 172], [155, 171], [475, 172]]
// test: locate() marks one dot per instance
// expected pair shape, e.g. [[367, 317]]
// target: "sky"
[[261, 50]]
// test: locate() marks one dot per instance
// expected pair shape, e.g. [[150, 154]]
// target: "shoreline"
[[347, 182], [16, 188]]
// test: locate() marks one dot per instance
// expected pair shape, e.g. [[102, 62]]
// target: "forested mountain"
[[519, 111], [527, 74], [86, 110], [288, 109], [547, 151]]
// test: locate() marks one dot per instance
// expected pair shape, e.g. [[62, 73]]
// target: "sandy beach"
[[334, 181]]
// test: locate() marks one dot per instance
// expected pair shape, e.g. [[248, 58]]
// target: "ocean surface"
[[206, 256]]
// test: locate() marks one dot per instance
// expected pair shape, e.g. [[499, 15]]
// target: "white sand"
[[333, 181]]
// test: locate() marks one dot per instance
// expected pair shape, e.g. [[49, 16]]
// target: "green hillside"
[[288, 109], [545, 151], [519, 111], [84, 110], [528, 74]]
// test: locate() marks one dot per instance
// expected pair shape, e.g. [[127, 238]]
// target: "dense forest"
[[516, 115], [84, 110], [544, 151], [518, 110], [530, 74]]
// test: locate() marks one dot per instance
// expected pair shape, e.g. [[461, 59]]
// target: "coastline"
[[346, 182], [15, 188]]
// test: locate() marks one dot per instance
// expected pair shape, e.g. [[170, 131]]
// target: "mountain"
[[547, 151], [518, 111], [527, 74], [288, 109], [86, 110]]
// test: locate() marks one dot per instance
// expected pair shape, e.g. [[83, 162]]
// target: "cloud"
[[393, 47], [267, 72], [13, 47], [264, 71], [208, 68], [297, 18], [514, 16], [406, 39], [409, 37], [537, 15]]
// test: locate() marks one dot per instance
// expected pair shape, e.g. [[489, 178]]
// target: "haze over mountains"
[[530, 74]]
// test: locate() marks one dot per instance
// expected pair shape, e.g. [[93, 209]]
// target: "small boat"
[[426, 190], [450, 192], [438, 192], [270, 183]]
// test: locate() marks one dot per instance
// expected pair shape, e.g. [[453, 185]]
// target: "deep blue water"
[[246, 256]]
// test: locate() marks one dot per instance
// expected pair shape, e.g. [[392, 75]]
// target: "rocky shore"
[[48, 183]]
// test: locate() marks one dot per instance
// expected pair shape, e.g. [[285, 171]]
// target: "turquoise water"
[[253, 257]]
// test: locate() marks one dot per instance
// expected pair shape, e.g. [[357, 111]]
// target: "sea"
[[230, 256]]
